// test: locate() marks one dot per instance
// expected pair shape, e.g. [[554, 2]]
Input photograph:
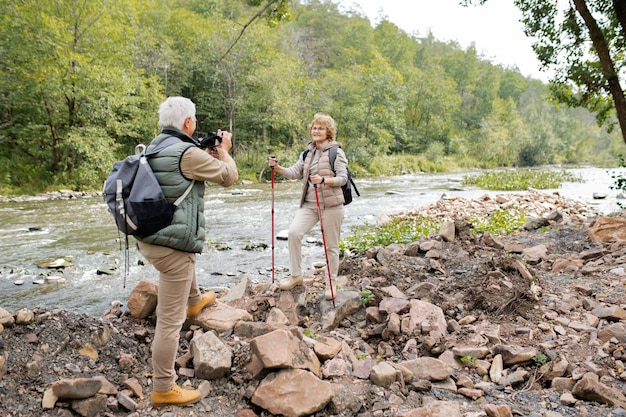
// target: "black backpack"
[[347, 187]]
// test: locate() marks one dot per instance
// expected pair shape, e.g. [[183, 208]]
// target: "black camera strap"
[[182, 136]]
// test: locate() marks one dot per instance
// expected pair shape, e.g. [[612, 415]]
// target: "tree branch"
[[256, 16]]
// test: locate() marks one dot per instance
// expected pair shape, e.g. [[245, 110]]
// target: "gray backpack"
[[134, 196]]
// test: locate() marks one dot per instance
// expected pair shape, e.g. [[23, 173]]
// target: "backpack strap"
[[332, 155], [182, 197], [162, 145], [354, 186]]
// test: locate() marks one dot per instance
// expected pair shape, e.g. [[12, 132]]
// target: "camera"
[[210, 140]]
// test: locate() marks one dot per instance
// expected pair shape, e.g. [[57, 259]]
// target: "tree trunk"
[[620, 12], [608, 68], [55, 138]]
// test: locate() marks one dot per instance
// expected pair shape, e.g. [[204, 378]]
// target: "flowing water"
[[82, 231]]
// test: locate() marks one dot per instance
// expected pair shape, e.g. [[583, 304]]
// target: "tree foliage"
[[81, 81], [584, 41]]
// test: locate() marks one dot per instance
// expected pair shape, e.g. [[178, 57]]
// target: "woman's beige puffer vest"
[[330, 196]]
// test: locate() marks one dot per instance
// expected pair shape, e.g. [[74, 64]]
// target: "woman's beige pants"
[[302, 224]]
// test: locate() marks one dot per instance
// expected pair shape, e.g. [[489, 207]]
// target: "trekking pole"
[[319, 213], [272, 156]]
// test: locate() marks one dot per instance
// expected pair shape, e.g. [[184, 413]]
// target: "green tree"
[[464, 67], [501, 137], [80, 82], [584, 41], [270, 84], [396, 46], [513, 85], [432, 103], [69, 82]]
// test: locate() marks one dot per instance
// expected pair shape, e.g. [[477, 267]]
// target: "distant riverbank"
[[51, 195]]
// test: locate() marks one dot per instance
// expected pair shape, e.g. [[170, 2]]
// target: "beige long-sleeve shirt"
[[197, 164]]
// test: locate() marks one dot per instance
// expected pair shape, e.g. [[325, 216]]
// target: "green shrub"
[[397, 230], [408, 230], [619, 179], [498, 222], [540, 360], [520, 179], [365, 297]]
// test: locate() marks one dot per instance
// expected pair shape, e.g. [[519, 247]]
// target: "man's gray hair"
[[174, 111]]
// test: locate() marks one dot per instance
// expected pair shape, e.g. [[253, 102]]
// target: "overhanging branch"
[[256, 16]]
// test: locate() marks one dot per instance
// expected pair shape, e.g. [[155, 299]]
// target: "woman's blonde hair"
[[326, 121]]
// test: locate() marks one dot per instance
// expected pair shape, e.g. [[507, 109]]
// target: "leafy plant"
[[499, 222], [619, 178], [468, 358], [540, 360], [365, 297], [398, 230], [520, 179]]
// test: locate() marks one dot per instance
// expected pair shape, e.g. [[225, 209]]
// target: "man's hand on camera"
[[226, 136]]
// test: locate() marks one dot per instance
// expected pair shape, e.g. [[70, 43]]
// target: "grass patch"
[[401, 231], [520, 179], [404, 231], [499, 222]]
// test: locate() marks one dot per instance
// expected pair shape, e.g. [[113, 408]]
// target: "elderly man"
[[172, 250]]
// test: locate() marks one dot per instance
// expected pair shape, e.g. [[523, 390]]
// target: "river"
[[82, 232]]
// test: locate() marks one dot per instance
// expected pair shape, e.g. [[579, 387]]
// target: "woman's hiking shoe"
[[175, 396], [328, 294], [289, 283], [207, 299]]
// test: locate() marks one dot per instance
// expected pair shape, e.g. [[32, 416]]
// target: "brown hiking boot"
[[175, 396], [207, 299]]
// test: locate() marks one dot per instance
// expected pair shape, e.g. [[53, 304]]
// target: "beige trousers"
[[302, 223], [177, 289]]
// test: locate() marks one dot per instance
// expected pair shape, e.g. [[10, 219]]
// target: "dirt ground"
[[463, 279]]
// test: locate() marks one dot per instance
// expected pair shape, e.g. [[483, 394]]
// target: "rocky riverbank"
[[456, 324]]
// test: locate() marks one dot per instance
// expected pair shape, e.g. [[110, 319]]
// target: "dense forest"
[[81, 82]]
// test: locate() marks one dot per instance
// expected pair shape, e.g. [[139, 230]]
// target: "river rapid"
[[239, 233]]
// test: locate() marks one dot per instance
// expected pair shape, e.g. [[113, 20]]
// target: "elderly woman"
[[315, 169]]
